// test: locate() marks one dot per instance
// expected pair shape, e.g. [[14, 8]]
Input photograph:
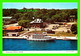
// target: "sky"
[[40, 5]]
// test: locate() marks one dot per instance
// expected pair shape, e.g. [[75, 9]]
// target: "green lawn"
[[63, 34]]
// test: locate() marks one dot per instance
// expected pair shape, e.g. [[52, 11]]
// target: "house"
[[5, 18], [12, 34], [37, 23], [72, 18], [8, 20], [13, 30], [50, 32]]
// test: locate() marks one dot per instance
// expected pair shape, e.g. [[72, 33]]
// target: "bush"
[[74, 28]]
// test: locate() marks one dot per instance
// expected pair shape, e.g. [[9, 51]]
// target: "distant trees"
[[9, 12], [74, 28], [17, 16], [47, 15]]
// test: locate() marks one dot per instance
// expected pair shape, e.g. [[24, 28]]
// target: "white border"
[[72, 51]]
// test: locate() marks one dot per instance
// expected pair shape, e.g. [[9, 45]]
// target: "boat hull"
[[41, 39]]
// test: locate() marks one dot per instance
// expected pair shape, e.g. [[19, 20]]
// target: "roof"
[[13, 27], [7, 17], [37, 21], [72, 23], [12, 32]]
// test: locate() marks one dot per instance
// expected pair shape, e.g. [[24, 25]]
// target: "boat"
[[69, 38], [39, 37]]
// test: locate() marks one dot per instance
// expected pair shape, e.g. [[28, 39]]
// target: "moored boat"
[[39, 37]]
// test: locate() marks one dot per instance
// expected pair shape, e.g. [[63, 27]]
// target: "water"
[[25, 45]]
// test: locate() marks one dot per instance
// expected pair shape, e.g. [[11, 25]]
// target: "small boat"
[[39, 37], [69, 38], [66, 38]]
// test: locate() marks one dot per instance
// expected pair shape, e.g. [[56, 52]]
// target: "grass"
[[37, 31], [63, 34], [22, 32], [57, 34]]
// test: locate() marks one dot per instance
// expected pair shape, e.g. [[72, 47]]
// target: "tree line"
[[47, 15]]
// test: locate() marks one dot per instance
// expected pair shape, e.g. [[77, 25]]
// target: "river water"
[[26, 45]]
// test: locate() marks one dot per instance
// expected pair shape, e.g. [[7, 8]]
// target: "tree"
[[17, 16], [28, 15], [9, 12], [24, 23], [55, 17], [74, 28], [4, 33]]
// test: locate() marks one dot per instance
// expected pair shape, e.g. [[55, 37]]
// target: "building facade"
[[13, 30], [37, 23]]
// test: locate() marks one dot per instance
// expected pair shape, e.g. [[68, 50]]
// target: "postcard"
[[40, 27]]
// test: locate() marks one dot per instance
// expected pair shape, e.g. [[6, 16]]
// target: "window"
[[13, 34], [7, 34]]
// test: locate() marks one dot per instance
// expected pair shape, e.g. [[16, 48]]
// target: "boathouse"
[[12, 34], [13, 30]]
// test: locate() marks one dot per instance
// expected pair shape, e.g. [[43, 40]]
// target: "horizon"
[[40, 5]]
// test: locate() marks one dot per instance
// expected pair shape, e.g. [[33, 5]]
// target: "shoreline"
[[57, 38]]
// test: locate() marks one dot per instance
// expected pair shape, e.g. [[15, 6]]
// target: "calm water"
[[23, 45]]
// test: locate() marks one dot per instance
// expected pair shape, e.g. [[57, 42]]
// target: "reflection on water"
[[22, 44]]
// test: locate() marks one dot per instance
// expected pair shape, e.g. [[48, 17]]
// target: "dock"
[[66, 38], [13, 37], [56, 38]]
